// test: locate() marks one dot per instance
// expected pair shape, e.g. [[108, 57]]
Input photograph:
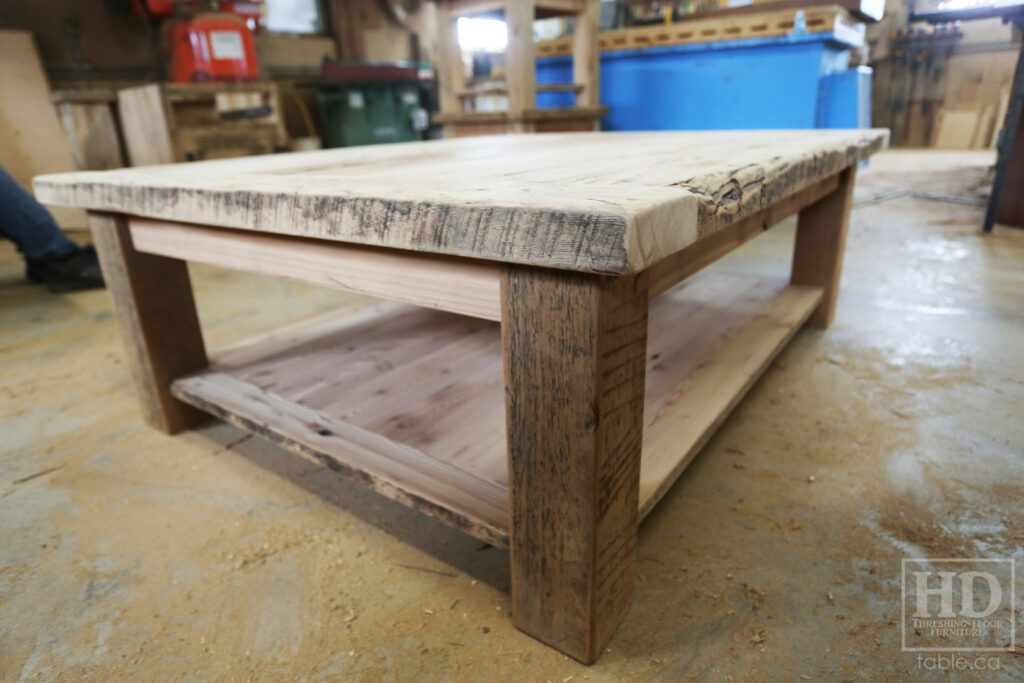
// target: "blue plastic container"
[[844, 99], [780, 82]]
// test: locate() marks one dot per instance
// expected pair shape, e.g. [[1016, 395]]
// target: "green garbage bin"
[[363, 111]]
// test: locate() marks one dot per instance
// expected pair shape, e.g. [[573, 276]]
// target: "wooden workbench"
[[536, 432]]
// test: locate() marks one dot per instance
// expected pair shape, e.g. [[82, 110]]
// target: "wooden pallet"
[[169, 122], [826, 19]]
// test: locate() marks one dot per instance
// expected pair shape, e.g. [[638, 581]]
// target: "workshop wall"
[[87, 40], [946, 89], [100, 44]]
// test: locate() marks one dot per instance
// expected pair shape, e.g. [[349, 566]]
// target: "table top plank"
[[595, 202]]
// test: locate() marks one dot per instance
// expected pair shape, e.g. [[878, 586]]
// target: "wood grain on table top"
[[596, 202]]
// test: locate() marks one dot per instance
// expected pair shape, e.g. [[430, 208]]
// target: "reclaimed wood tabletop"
[[592, 202]]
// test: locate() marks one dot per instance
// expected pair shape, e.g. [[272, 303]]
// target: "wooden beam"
[[444, 283], [530, 115], [470, 8], [347, 22], [574, 350], [520, 63], [820, 243], [670, 271], [541, 87], [145, 125], [586, 57], [542, 8], [561, 7], [153, 306], [452, 80]]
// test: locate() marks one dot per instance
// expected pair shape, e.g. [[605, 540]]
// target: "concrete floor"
[[127, 554]]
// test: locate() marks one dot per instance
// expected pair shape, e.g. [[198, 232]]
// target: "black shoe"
[[78, 270]]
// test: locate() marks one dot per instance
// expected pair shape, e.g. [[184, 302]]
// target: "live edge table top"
[[593, 202]]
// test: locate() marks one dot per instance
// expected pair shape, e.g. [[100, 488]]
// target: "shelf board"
[[503, 90], [410, 401], [709, 339], [536, 115]]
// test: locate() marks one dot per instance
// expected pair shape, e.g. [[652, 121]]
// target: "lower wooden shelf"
[[410, 401]]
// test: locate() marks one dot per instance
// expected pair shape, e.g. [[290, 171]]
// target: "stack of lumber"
[[823, 19], [863, 10], [946, 87]]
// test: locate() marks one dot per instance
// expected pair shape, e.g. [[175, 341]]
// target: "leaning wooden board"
[[31, 141], [552, 367]]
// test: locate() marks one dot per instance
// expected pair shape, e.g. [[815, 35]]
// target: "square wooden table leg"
[[153, 306], [574, 349], [820, 243]]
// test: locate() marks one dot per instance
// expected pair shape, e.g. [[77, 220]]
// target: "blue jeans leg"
[[25, 222]]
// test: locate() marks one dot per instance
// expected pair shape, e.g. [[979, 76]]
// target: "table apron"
[[448, 283]]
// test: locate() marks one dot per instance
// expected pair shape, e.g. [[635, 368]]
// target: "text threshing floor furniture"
[[534, 287]]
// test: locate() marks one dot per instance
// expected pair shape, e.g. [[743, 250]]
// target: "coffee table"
[[544, 367]]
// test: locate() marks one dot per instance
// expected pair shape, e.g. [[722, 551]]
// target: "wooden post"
[[451, 79], [349, 26], [820, 242], [520, 61], [153, 306], [586, 57], [574, 350]]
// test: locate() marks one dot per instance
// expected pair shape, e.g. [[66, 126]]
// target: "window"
[[293, 16], [482, 35]]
